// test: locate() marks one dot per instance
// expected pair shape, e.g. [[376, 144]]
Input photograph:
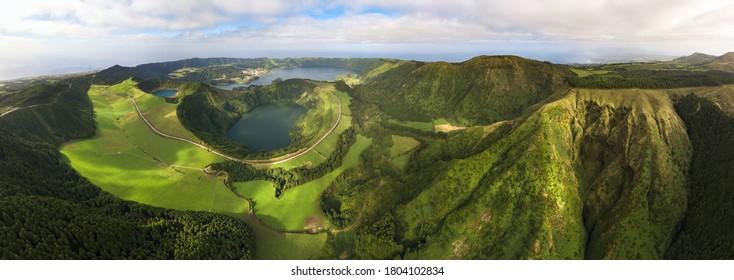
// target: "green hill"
[[594, 174], [206, 70], [482, 90], [696, 59], [722, 63]]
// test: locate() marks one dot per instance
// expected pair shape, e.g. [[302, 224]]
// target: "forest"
[[654, 79], [703, 235]]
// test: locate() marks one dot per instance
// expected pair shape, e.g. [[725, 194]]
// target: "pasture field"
[[298, 208], [587, 72], [163, 116], [401, 150], [425, 126], [129, 161], [402, 144]]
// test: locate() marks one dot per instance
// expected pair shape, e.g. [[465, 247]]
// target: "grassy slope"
[[122, 160], [547, 188], [163, 116], [478, 91], [401, 149], [318, 117], [324, 149], [587, 72], [129, 161], [722, 63], [635, 157], [291, 210], [425, 126]]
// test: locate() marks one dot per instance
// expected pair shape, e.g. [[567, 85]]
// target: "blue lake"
[[266, 127], [165, 92], [313, 73]]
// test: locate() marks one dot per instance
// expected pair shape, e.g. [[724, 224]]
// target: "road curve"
[[9, 111], [250, 162], [13, 109], [251, 210]]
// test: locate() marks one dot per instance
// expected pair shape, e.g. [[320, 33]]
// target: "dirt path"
[[13, 109], [251, 162], [10, 111]]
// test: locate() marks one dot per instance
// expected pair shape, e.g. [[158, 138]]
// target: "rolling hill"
[[722, 63], [696, 59], [496, 157]]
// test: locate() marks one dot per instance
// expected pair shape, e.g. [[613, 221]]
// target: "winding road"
[[250, 162], [251, 210], [10, 111], [13, 109]]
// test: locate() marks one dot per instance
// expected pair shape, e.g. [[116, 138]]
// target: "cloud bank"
[[56, 36]]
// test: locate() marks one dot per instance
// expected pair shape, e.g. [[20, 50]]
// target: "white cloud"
[[71, 18], [140, 30], [369, 28]]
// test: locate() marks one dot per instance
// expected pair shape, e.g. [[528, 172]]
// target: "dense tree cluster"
[[41, 227], [377, 240], [354, 64], [706, 233], [340, 201], [653, 79], [64, 112]]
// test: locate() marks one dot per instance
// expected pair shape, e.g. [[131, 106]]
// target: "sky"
[[62, 36]]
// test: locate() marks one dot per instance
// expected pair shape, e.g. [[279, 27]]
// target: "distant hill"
[[212, 68], [696, 58], [722, 63], [118, 73], [481, 90]]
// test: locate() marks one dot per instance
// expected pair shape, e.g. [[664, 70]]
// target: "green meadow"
[[129, 161], [298, 208], [425, 126], [587, 72], [324, 149], [401, 149], [163, 116]]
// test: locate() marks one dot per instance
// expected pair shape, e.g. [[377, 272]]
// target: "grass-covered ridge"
[[482, 90], [221, 69], [593, 174]]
